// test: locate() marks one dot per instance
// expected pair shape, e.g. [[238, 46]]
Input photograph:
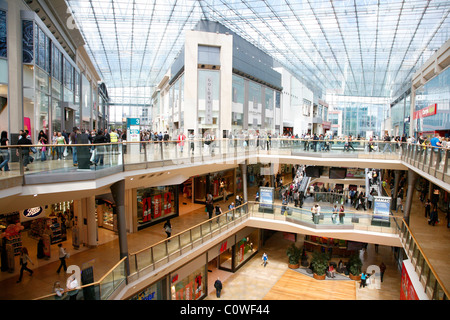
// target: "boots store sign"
[[32, 213]]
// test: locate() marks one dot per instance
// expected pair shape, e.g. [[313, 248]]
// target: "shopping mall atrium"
[[150, 148]]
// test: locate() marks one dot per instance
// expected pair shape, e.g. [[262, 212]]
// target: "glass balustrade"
[[153, 154]]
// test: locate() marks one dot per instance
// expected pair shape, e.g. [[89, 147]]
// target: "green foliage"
[[294, 253], [319, 263], [355, 264]]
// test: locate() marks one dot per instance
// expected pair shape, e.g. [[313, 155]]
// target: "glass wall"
[[436, 91], [237, 109], [155, 204], [86, 100], [269, 114], [399, 114], [254, 106]]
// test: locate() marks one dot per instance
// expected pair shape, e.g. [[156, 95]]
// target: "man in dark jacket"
[[100, 150], [218, 286], [24, 141]]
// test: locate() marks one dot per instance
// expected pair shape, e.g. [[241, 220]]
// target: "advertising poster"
[[167, 203], [198, 287], [381, 208], [215, 188], [241, 253], [179, 294], [188, 291], [266, 198], [157, 206], [146, 209], [407, 291]]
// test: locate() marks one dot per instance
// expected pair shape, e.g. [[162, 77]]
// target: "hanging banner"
[[157, 206], [209, 101]]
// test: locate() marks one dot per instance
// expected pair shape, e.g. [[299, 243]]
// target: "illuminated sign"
[[426, 112]]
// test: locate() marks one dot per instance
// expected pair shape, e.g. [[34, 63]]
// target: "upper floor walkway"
[[172, 162]]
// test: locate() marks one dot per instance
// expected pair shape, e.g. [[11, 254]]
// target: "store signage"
[[381, 208], [157, 206], [32, 212], [266, 197], [223, 247], [209, 101], [426, 112]]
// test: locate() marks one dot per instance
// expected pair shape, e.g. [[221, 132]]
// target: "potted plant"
[[294, 253], [319, 264], [354, 267]]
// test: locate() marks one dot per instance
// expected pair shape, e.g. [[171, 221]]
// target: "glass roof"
[[348, 47]]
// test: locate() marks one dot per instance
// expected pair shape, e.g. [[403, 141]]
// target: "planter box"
[[293, 266], [353, 277], [317, 277]]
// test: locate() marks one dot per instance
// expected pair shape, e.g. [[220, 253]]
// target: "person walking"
[[168, 228], [24, 258], [264, 259], [24, 150], [382, 270], [4, 142], [218, 286], [363, 280], [427, 208], [62, 258], [341, 214]]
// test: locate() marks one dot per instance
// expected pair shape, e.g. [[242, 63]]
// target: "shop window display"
[[245, 248], [190, 288], [155, 204]]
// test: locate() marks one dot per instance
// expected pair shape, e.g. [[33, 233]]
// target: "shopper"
[[72, 142], [4, 152], [433, 217], [62, 258], [427, 208], [341, 214], [264, 259], [363, 280], [72, 287], [218, 211], [24, 150], [334, 214], [218, 286], [24, 258], [209, 205], [382, 270], [168, 228], [58, 290]]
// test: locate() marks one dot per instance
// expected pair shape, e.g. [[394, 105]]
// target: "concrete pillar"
[[91, 224], [243, 167], [412, 178], [118, 193], [394, 195], [15, 90]]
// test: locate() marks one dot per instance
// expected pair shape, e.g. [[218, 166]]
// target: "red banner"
[[157, 206], [426, 112], [407, 291], [167, 203], [146, 209]]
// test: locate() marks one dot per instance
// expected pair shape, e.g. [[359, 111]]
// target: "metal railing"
[[164, 252]]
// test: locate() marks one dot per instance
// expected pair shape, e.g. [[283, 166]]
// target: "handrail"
[[426, 259], [98, 282]]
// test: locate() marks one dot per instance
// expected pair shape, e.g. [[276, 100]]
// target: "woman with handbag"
[[62, 258]]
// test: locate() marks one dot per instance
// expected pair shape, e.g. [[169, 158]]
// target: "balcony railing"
[[161, 254]]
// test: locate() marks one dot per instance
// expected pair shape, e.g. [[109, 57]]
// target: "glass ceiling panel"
[[350, 47]]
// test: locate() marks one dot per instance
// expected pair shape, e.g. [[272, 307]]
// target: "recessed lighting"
[[35, 195]]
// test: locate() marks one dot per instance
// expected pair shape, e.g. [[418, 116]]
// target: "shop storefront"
[[106, 214], [235, 251], [156, 204], [220, 184], [189, 282]]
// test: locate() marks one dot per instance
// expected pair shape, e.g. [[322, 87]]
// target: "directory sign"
[[381, 209], [266, 198], [133, 129]]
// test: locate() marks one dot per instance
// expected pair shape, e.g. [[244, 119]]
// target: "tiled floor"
[[246, 283]]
